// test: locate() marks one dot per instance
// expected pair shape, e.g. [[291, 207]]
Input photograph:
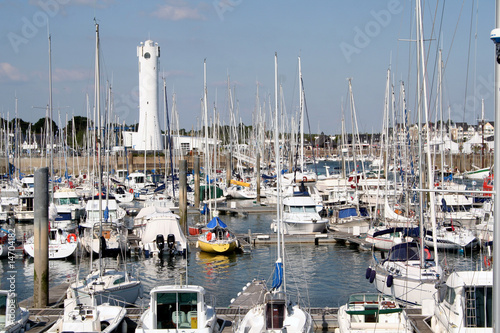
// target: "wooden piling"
[[41, 230], [197, 182], [183, 195]]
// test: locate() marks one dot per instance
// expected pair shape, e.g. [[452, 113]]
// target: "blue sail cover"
[[278, 275], [216, 221]]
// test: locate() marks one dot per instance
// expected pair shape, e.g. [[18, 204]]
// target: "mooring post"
[[197, 182], [41, 230], [257, 166], [229, 170], [183, 195]]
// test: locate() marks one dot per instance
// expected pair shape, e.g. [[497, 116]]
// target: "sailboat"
[[104, 285], [217, 238], [86, 316], [274, 312]]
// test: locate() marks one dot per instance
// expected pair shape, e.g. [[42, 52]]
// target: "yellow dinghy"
[[218, 239]]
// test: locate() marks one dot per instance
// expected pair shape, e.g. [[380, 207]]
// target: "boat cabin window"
[[275, 314], [296, 209], [449, 295], [310, 209], [66, 201], [482, 297], [3, 310], [176, 310]]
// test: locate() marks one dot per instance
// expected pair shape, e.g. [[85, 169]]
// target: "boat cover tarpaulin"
[[216, 221]]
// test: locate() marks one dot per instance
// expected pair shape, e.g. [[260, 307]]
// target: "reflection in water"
[[215, 265]]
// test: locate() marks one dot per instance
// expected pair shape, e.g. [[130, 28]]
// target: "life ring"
[[427, 253], [56, 188], [304, 179], [131, 190], [487, 262], [71, 236]]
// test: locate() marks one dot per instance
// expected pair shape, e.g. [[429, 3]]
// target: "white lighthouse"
[[148, 136]]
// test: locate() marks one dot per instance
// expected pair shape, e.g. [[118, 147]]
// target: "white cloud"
[[11, 73], [63, 75], [176, 11]]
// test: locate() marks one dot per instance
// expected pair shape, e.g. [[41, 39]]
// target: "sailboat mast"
[[205, 109], [430, 171], [301, 94], [98, 137], [277, 156], [50, 109], [98, 110]]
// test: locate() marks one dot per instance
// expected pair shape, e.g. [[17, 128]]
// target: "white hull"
[[406, 288], [296, 227], [56, 251]]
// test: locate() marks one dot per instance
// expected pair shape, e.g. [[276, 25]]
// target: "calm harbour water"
[[320, 276]]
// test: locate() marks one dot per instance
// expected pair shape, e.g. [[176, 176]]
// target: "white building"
[[148, 135]]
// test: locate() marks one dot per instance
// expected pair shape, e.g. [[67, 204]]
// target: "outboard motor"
[[160, 243], [171, 242]]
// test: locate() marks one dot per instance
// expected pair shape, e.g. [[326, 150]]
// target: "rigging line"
[[468, 62], [454, 34], [428, 56], [431, 90]]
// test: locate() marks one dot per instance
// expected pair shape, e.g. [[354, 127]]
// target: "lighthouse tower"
[[148, 136]]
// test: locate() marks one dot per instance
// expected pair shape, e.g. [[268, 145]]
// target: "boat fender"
[[368, 273], [390, 280], [427, 254], [487, 262], [71, 236], [372, 275]]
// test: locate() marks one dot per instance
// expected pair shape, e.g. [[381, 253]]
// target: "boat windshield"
[[176, 310]]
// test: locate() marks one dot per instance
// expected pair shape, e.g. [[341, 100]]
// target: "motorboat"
[[467, 304], [177, 308], [372, 312]]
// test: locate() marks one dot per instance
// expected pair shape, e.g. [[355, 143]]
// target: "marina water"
[[321, 275]]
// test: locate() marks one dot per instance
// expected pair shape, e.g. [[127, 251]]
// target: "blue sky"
[[335, 39]]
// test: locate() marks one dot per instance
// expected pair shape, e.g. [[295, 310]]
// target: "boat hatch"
[[275, 314]]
